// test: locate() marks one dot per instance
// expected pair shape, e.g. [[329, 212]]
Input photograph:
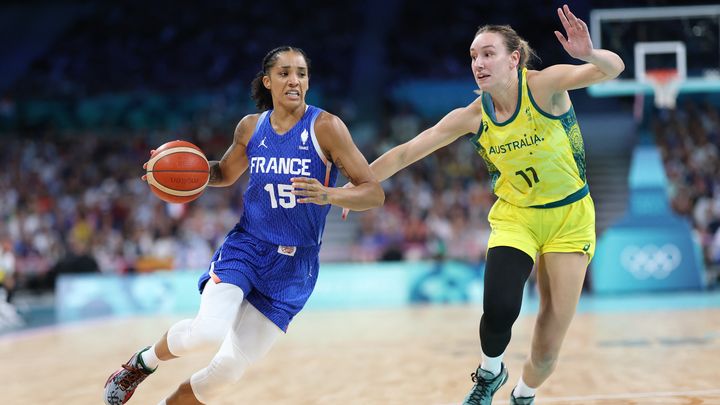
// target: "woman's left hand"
[[578, 43], [311, 190]]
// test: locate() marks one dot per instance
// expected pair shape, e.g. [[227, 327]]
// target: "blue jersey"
[[271, 211]]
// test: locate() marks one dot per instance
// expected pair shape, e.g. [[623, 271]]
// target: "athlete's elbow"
[[379, 195], [618, 67], [216, 175], [375, 197]]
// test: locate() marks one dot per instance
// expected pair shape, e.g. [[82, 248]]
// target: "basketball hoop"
[[666, 85]]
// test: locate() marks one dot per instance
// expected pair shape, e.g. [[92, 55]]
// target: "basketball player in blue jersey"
[[525, 129], [264, 271]]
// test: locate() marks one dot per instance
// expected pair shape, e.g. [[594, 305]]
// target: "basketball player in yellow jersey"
[[525, 130]]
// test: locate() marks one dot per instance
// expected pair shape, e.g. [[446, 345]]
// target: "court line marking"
[[629, 395]]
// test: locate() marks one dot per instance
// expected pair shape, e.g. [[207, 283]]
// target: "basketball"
[[178, 172]]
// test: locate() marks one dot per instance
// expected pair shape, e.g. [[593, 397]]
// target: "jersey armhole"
[[260, 121], [543, 112], [315, 142], [258, 124]]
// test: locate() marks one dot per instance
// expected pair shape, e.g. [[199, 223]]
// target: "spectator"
[[77, 261], [9, 316], [688, 141]]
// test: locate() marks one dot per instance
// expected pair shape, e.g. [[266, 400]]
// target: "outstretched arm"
[[455, 124], [336, 142], [601, 64]]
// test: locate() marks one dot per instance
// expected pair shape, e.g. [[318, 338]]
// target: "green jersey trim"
[[576, 196]]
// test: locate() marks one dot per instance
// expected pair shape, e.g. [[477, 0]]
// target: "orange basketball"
[[178, 172]]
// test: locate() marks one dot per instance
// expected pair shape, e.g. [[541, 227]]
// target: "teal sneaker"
[[486, 385], [521, 400], [121, 385]]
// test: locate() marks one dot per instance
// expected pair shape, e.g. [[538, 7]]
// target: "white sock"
[[522, 390], [492, 364], [149, 358], [162, 402]]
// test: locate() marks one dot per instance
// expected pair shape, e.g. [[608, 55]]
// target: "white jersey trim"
[[315, 142], [259, 122]]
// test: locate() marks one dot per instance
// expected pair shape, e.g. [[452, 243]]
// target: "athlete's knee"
[[502, 314], [218, 309], [224, 371], [177, 337], [493, 341], [188, 335], [206, 331], [228, 369], [501, 310], [506, 272]]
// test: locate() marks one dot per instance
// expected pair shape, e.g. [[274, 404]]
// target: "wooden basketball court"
[[404, 356]]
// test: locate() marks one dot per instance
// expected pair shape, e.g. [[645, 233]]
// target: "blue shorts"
[[277, 280]]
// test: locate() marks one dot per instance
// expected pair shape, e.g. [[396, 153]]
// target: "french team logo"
[[304, 138]]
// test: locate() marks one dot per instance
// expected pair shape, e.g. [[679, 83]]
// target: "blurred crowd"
[[76, 203], [123, 78], [688, 138], [436, 208], [73, 201]]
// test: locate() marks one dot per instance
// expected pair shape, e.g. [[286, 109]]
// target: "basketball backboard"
[[683, 39]]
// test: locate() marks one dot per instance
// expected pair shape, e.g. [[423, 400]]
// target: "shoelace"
[[482, 387], [132, 378]]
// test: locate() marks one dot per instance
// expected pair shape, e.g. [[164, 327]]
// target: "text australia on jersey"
[[510, 146]]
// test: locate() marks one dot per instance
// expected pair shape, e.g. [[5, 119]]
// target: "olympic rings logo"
[[651, 261]]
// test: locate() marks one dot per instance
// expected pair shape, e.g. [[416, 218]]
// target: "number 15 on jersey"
[[284, 196]]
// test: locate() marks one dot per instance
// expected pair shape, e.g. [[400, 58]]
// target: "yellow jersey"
[[535, 159]]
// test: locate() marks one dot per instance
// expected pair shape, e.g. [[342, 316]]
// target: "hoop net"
[[666, 85]]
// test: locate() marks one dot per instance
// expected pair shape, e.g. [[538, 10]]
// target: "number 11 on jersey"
[[527, 179]]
